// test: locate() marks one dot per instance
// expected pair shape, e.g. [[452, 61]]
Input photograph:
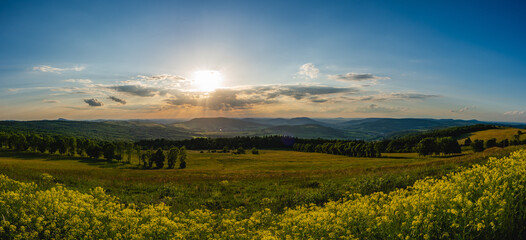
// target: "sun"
[[207, 80]]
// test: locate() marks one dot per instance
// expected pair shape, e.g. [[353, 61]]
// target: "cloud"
[[308, 71], [375, 108], [356, 77], [219, 100], [393, 97], [116, 99], [50, 101], [234, 99], [464, 109], [93, 102], [299, 92], [86, 81], [50, 69], [514, 113], [319, 100], [161, 77], [138, 90], [418, 96]]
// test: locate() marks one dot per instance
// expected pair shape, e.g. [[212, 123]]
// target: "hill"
[[307, 131], [219, 125], [384, 127], [284, 121], [110, 130], [499, 133]]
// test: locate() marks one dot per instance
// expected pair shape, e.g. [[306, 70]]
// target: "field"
[[482, 202], [499, 133], [218, 181]]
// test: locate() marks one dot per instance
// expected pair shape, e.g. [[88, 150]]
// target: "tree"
[[149, 155], [240, 150], [426, 146], [491, 143], [94, 150], [225, 149], [158, 158], [255, 150], [139, 155], [109, 151], [129, 152], [467, 142], [477, 145], [144, 159], [172, 157], [448, 145], [182, 157]]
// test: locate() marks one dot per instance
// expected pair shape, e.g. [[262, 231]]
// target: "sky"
[[323, 59]]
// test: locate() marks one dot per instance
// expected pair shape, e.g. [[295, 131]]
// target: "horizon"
[[235, 59], [313, 118]]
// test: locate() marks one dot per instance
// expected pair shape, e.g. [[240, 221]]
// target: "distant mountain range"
[[303, 127]]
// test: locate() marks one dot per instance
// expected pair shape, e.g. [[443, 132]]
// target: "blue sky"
[[146, 59]]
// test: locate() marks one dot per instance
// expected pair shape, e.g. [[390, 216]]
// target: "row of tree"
[[66, 145], [479, 145], [407, 143], [159, 158], [347, 148], [83, 147], [444, 145]]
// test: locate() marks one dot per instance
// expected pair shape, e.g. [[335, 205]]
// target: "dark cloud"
[[116, 99], [356, 77], [50, 101], [138, 90], [93, 102], [412, 96]]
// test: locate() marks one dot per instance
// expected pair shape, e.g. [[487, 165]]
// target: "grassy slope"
[[500, 134], [287, 178]]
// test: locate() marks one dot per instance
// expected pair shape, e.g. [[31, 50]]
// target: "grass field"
[[218, 181], [499, 133]]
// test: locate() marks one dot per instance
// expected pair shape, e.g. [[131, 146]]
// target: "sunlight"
[[207, 80]]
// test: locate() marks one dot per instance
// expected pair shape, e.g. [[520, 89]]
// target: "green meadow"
[[274, 179]]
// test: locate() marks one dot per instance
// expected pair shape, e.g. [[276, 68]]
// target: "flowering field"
[[482, 202]]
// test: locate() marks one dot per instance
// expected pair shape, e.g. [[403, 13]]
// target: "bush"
[[255, 150], [240, 150], [477, 145]]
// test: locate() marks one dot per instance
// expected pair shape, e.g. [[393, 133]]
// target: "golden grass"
[[500, 134]]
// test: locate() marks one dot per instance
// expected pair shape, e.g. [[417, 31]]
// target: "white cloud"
[[86, 81], [308, 71], [514, 113], [50, 69], [464, 109]]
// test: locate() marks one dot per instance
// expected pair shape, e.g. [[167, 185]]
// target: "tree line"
[[347, 148], [407, 143], [95, 149]]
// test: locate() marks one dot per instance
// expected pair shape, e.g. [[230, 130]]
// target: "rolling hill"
[[363, 129], [499, 133], [219, 125]]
